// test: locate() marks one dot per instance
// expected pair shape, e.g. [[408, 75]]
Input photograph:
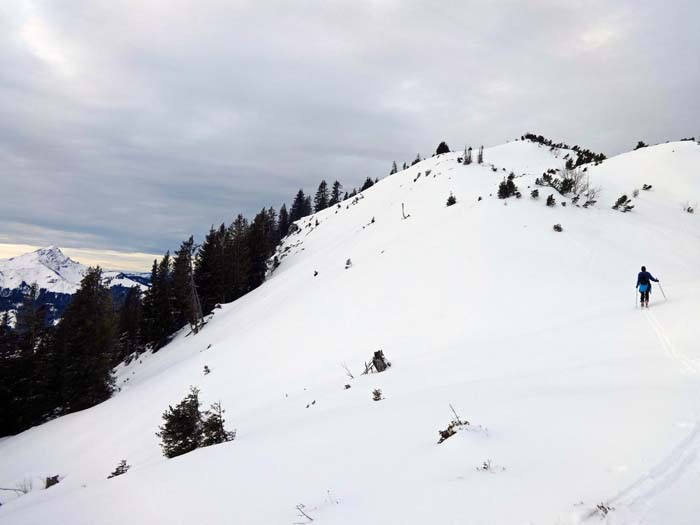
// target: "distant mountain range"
[[58, 278]]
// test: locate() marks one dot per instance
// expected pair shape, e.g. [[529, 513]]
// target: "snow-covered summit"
[[48, 267], [53, 271], [582, 409]]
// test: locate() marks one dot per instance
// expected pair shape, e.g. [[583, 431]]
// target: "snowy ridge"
[[54, 272], [585, 408]]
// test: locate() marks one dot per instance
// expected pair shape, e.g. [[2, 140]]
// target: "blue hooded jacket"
[[645, 278]]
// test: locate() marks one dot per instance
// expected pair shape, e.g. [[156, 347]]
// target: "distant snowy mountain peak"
[[55, 272]]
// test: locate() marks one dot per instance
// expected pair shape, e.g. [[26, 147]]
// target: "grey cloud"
[[130, 125]]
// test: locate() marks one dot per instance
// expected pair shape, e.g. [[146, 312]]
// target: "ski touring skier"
[[644, 279]]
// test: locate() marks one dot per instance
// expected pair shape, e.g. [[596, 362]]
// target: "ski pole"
[[662, 291]]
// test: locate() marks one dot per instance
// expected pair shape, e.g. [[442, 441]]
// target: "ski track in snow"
[[687, 364], [638, 498]]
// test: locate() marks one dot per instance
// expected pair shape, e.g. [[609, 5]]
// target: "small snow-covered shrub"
[[213, 431], [646, 187], [348, 264], [451, 429], [25, 486], [206, 370], [623, 204], [635, 192], [121, 469], [377, 394], [487, 466], [507, 187], [550, 200], [557, 228], [451, 200], [601, 510], [535, 194]]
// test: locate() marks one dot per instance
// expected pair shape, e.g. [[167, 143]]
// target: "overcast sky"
[[129, 125]]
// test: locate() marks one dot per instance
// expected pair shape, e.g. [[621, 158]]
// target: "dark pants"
[[644, 296]]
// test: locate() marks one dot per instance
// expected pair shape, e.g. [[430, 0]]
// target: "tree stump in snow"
[[379, 361], [51, 481]]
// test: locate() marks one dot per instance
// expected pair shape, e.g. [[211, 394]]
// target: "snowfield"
[[575, 398]]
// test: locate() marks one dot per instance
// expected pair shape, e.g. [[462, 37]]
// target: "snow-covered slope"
[[576, 399], [53, 271]]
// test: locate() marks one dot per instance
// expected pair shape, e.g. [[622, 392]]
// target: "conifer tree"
[[258, 247], [271, 229], [185, 428], [17, 349], [322, 197], [182, 427], [367, 184], [480, 155], [209, 270], [283, 221], [442, 148], [238, 256], [187, 307], [213, 430], [130, 323], [394, 168], [164, 301], [298, 208], [336, 195], [183, 311], [149, 312], [85, 340]]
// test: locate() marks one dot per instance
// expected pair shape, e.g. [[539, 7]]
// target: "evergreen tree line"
[[50, 370], [583, 155]]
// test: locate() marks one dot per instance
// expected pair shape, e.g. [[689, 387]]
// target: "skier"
[[644, 279]]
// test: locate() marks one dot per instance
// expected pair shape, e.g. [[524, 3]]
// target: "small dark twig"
[[300, 509]]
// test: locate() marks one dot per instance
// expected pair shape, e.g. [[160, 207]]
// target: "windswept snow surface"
[[576, 398]]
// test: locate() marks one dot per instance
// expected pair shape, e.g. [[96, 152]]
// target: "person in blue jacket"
[[644, 279]]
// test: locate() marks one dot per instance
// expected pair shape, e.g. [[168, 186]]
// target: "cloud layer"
[[130, 125]]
